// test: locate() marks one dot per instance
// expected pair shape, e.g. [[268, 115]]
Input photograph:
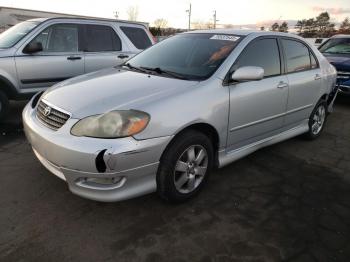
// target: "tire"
[[4, 105], [185, 166], [317, 120]]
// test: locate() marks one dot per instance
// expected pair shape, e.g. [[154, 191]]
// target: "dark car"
[[337, 51]]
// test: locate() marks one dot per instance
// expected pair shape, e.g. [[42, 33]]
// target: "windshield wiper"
[[166, 72], [128, 65]]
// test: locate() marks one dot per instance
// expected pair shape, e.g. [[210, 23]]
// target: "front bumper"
[[131, 165]]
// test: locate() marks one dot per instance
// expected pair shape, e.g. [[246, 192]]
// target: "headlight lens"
[[112, 125]]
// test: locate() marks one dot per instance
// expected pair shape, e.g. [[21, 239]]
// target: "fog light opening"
[[100, 183]]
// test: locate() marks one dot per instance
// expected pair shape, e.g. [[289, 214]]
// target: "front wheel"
[[185, 166], [317, 120]]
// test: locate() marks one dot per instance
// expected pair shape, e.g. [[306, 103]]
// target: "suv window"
[[101, 38], [298, 56], [137, 36], [59, 38], [263, 53]]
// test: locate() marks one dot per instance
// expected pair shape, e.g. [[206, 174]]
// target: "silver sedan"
[[163, 120]]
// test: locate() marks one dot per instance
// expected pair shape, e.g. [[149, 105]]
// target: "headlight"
[[112, 125]]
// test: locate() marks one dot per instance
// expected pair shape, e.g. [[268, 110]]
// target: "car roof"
[[341, 36], [89, 19], [242, 32]]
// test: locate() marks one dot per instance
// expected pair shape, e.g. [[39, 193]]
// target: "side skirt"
[[226, 158]]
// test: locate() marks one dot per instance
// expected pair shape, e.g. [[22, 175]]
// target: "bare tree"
[[200, 24], [160, 23], [133, 13], [229, 26]]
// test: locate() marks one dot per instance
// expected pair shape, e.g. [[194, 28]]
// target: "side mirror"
[[248, 73], [33, 47]]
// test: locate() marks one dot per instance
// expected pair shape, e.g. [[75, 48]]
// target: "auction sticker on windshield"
[[225, 37]]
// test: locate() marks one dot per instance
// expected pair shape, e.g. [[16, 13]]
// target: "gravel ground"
[[287, 202]]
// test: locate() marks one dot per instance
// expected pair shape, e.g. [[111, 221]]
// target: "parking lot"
[[287, 202]]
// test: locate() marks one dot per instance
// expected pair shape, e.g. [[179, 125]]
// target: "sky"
[[234, 12]]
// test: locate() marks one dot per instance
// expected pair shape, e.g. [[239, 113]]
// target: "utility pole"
[[189, 11], [215, 20]]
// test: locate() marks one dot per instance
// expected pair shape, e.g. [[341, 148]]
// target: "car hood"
[[341, 62], [112, 89]]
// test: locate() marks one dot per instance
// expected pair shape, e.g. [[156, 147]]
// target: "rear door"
[[257, 108], [103, 47], [305, 81], [60, 59]]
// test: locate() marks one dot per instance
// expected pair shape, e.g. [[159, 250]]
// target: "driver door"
[[60, 58]]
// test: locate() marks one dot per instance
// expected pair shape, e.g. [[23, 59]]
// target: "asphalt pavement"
[[286, 202]]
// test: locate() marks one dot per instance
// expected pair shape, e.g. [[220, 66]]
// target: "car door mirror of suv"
[[33, 47], [248, 73]]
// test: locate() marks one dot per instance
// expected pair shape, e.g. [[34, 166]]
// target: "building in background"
[[10, 16]]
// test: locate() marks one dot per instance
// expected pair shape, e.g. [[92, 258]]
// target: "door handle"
[[317, 77], [123, 56], [73, 57], [282, 85]]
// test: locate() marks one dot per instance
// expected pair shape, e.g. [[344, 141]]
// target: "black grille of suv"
[[343, 76], [51, 117]]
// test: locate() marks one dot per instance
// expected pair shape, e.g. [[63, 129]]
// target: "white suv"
[[38, 53]]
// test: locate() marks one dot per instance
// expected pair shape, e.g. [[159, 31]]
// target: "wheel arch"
[[205, 128], [7, 87]]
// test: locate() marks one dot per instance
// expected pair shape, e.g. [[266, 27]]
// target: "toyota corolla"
[[193, 102]]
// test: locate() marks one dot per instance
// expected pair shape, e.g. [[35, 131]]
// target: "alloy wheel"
[[318, 120], [190, 169]]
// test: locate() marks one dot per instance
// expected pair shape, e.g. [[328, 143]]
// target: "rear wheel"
[[185, 166], [317, 120], [4, 105]]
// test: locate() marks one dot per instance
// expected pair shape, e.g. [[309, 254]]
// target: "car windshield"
[[190, 56], [12, 35], [336, 46]]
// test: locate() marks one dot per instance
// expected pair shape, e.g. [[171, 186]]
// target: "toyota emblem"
[[47, 111]]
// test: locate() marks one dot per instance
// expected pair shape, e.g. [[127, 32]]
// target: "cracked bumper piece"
[[130, 165]]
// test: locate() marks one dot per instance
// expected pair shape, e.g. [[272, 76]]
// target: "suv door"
[[257, 108], [305, 81], [102, 47], [60, 58]]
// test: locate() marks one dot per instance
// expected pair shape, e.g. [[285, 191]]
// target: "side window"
[[263, 53], [59, 38], [314, 63], [101, 38], [297, 56], [137, 36]]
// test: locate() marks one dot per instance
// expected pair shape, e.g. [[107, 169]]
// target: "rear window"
[[137, 36], [100, 38]]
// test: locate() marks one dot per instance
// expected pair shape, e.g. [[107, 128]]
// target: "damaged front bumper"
[[99, 169]]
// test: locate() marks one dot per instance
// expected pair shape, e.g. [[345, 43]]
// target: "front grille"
[[51, 117], [343, 75]]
